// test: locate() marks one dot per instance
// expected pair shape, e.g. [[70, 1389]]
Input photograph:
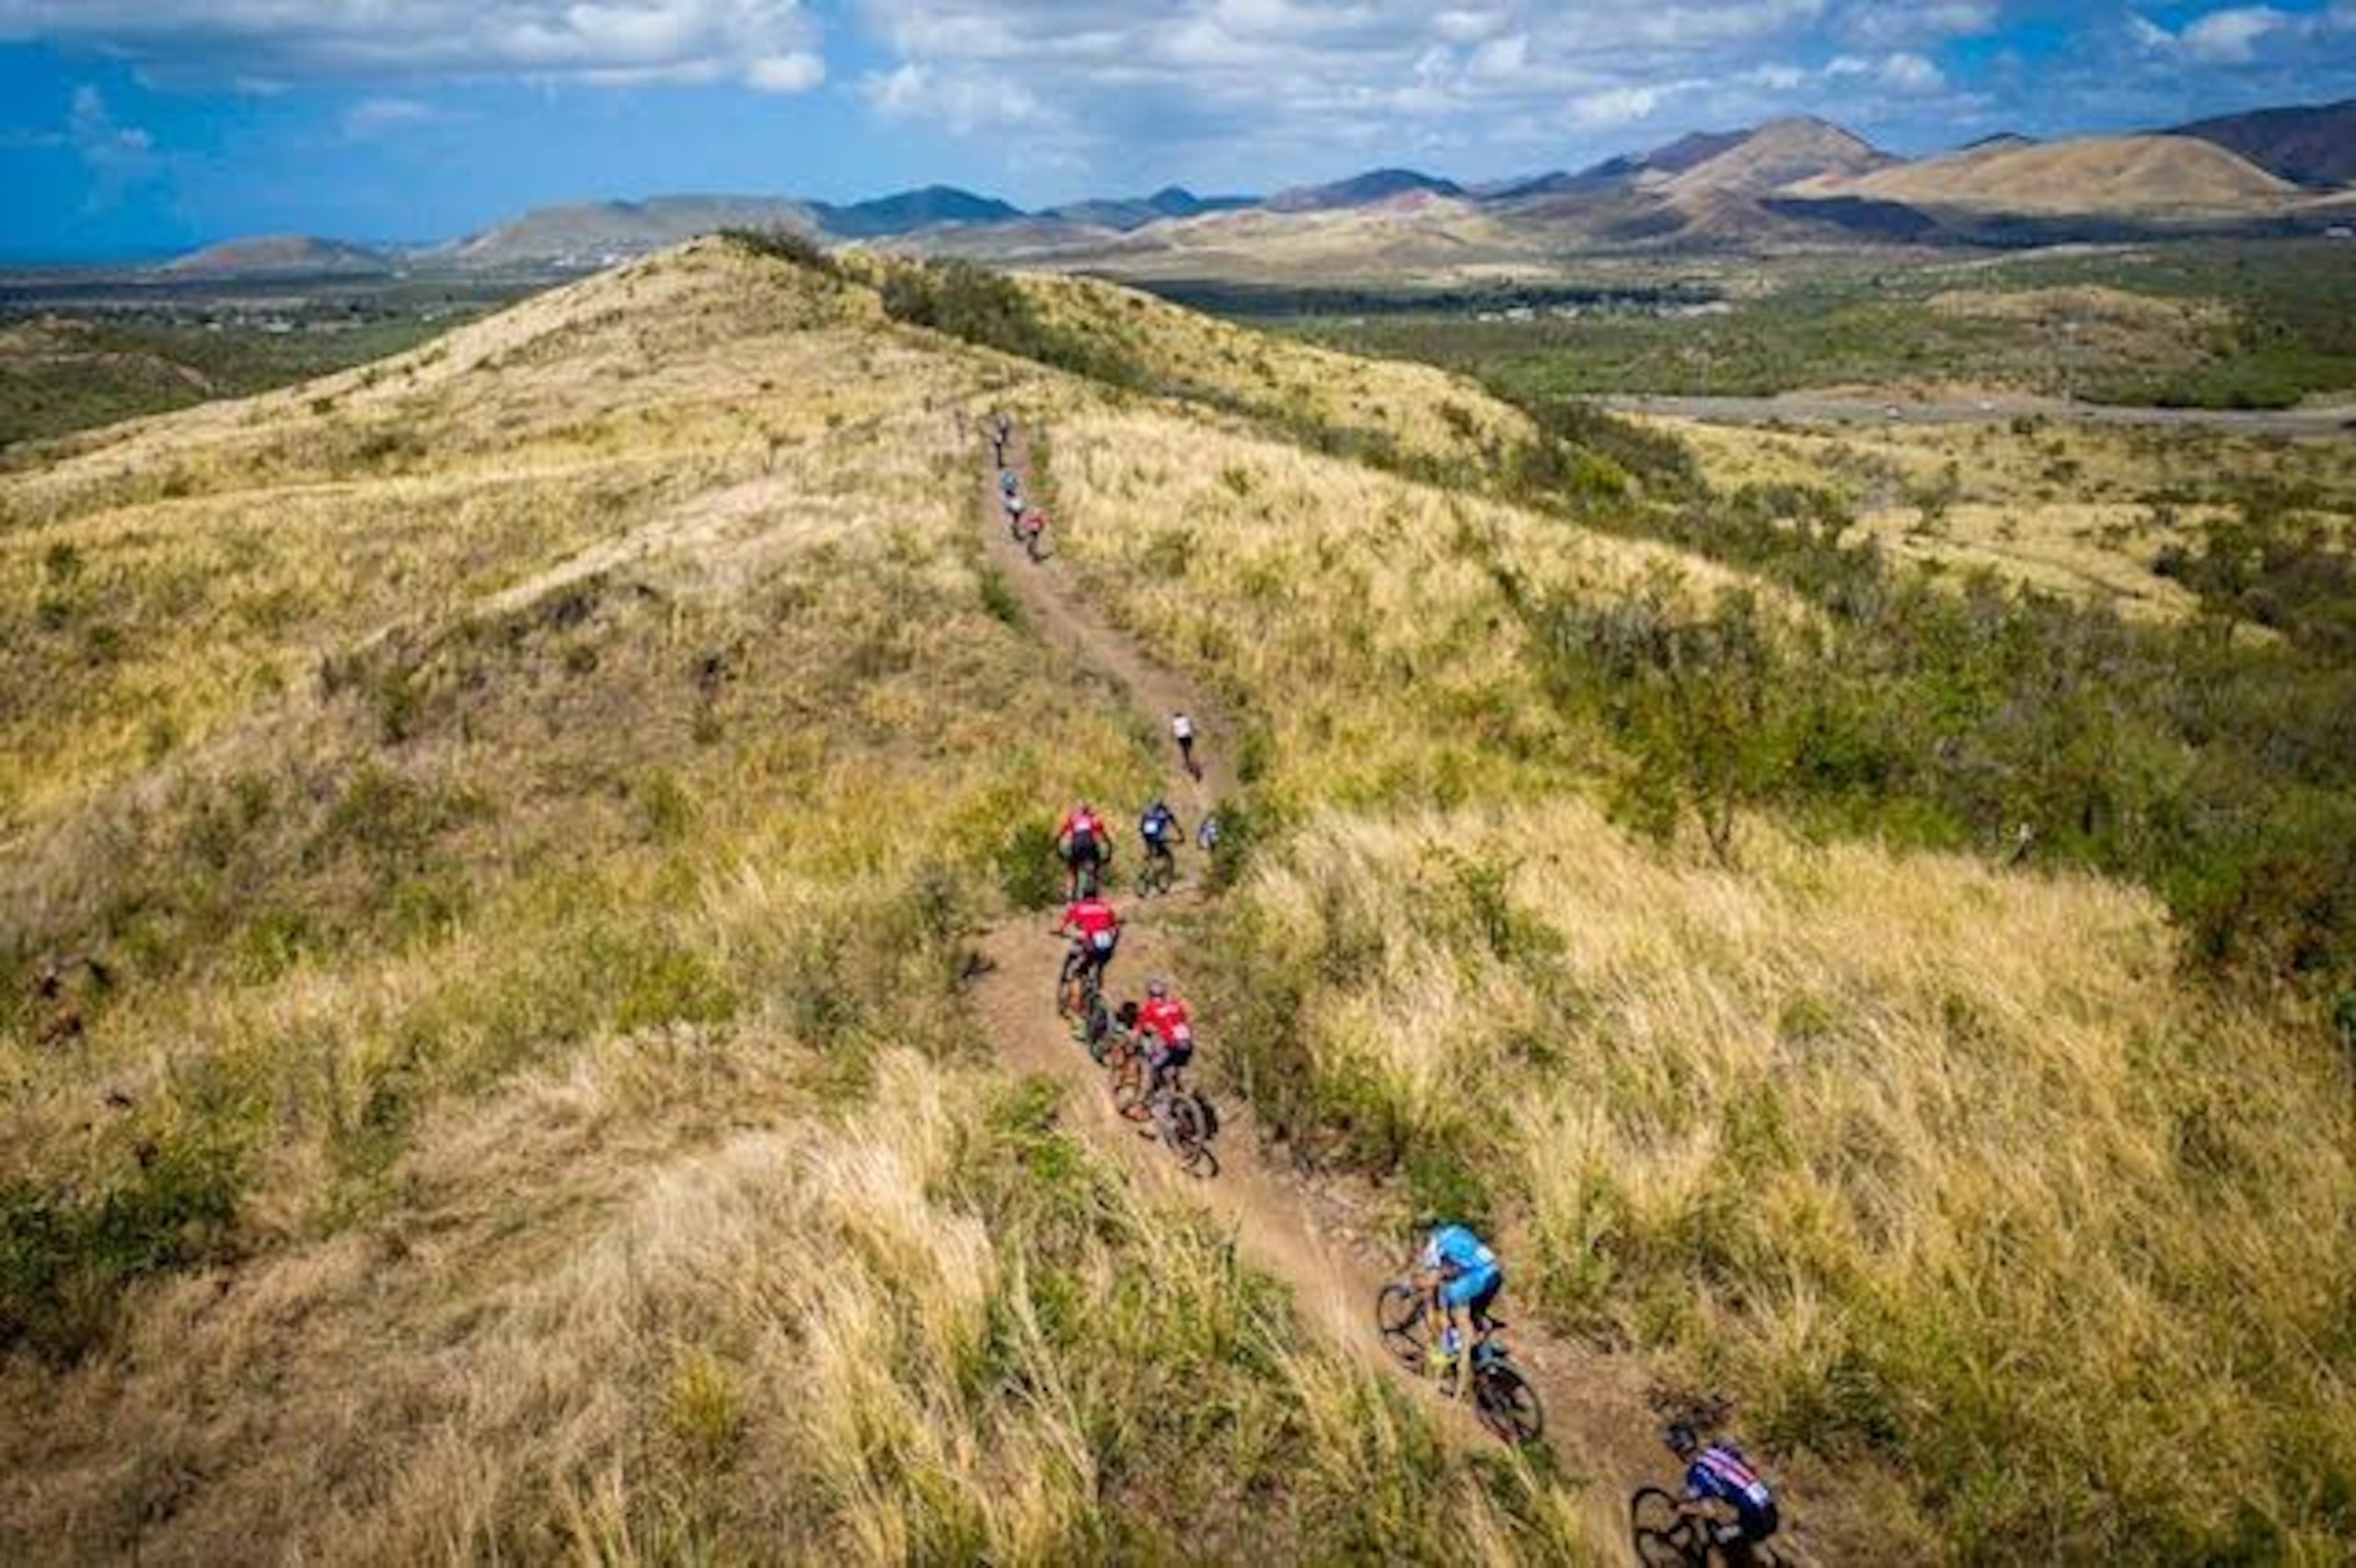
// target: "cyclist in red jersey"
[[1095, 932], [1085, 843], [1166, 1028]]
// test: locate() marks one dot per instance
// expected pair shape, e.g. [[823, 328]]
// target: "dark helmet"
[[1680, 1438]]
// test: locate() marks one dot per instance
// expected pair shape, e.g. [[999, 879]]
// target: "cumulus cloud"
[[768, 44], [1296, 81], [2239, 35]]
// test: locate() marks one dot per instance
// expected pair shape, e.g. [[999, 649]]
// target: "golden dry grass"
[[2075, 510], [526, 815]]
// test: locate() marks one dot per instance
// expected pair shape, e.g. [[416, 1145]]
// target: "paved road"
[[1805, 409]]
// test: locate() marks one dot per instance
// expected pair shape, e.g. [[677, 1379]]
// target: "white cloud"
[[2239, 35], [379, 115], [1889, 24], [795, 73], [964, 101], [768, 44], [118, 157], [1907, 72], [2231, 37]]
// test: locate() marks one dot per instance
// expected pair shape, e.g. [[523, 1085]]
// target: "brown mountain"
[[2313, 146], [2109, 176], [1781, 153], [279, 256]]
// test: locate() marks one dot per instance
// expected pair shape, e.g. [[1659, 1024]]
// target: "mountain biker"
[[1182, 729], [1206, 832], [1719, 1480], [1095, 932], [1166, 1030], [1083, 841], [1001, 430], [1464, 1279], [1006, 483], [1160, 830]]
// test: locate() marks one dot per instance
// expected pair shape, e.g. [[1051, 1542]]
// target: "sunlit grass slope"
[[1918, 1161], [491, 845]]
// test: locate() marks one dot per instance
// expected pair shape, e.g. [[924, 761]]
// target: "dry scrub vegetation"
[[2084, 511], [1918, 1161], [489, 850], [490, 845]]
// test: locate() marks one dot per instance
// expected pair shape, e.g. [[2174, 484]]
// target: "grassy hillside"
[[1913, 1158], [492, 846]]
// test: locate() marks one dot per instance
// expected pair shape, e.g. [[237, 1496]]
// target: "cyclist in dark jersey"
[[1718, 1482]]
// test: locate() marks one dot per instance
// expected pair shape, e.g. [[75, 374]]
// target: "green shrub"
[[66, 1258]]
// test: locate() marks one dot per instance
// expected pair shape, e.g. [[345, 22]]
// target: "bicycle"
[[1160, 873], [1088, 878], [1079, 1000], [1665, 1535], [1182, 1116], [1502, 1397], [1030, 532]]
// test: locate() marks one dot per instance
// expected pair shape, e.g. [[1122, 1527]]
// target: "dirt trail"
[[1599, 1423], [1313, 1233]]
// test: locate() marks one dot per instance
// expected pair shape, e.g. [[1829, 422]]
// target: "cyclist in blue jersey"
[[1464, 1277], [1160, 830], [1730, 1499]]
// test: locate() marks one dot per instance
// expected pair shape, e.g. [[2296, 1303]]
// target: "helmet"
[[1680, 1439], [1157, 987]]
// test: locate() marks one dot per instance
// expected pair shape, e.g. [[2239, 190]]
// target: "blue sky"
[[133, 126]]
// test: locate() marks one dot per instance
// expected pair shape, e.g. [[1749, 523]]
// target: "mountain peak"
[[1362, 191]]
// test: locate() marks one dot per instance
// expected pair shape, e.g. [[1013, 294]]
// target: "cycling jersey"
[[1094, 922], [1008, 482], [1454, 1249], [1159, 825], [1167, 1019], [1722, 1475], [1079, 823], [1182, 728]]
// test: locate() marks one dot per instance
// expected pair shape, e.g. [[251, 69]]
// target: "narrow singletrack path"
[[1308, 1233]]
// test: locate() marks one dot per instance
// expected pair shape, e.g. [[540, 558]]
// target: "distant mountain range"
[[1793, 181], [2312, 146]]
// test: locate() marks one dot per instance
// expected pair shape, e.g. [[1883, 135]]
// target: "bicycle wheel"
[[1129, 1087], [1506, 1404], [1662, 1536], [1189, 1131], [1399, 1314]]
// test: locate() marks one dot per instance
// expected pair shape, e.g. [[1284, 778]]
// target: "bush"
[[65, 1258]]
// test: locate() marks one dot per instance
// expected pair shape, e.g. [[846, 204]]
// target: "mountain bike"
[[1160, 873], [1665, 1535], [1079, 1000], [1029, 530], [1502, 1397], [1182, 1116]]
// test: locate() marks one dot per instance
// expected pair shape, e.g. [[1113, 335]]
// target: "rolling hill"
[[594, 233], [510, 852], [1123, 214], [1367, 189], [280, 256], [2147, 176], [1777, 155], [2312, 146]]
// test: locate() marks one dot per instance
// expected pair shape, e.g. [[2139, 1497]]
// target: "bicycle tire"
[[1186, 1131], [1661, 1536], [1507, 1404], [1398, 1317], [1129, 1087]]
